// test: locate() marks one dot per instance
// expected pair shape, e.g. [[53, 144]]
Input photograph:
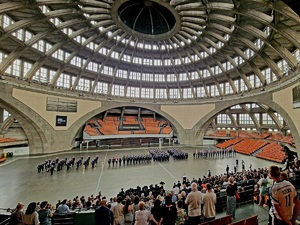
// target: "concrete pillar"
[[160, 140], [187, 137]]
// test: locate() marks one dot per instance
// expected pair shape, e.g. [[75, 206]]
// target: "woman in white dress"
[[142, 216]]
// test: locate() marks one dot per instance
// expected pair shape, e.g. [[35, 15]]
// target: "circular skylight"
[[146, 17]]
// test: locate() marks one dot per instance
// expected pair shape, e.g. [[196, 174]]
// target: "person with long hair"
[[136, 201], [31, 217], [231, 199], [128, 212], [45, 214], [263, 183], [169, 211], [156, 213]]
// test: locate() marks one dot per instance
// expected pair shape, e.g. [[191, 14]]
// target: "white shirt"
[[176, 190]]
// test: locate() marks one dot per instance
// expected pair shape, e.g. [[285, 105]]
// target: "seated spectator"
[[31, 217], [16, 216], [63, 207], [45, 214]]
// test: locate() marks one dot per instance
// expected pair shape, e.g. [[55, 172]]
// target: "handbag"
[[128, 217], [237, 196]]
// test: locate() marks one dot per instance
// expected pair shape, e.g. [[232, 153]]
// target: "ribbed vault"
[[215, 48]]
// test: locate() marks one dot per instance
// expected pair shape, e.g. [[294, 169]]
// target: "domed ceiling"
[[152, 49]]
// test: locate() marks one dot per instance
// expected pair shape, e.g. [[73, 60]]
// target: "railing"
[[5, 221], [246, 196], [63, 219]]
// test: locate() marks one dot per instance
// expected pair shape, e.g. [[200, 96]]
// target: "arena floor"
[[19, 180]]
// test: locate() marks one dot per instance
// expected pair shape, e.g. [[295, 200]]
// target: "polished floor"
[[19, 180]]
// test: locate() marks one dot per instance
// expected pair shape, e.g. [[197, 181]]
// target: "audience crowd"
[[191, 200]]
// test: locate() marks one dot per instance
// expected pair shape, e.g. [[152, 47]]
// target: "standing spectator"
[[208, 173], [263, 183], [102, 214], [285, 204], [227, 170], [181, 214], [45, 214], [209, 200], [156, 213], [31, 216], [114, 203], [169, 211], [118, 211], [231, 199], [194, 200], [16, 216], [176, 190], [128, 212], [142, 216]]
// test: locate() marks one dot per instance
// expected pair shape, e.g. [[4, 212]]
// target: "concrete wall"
[[190, 119]]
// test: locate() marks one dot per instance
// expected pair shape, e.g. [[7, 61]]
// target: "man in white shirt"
[[176, 190], [118, 211], [285, 204], [209, 200], [194, 200]]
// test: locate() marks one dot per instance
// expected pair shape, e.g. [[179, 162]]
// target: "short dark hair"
[[274, 171], [168, 200], [43, 204], [208, 186], [119, 199], [179, 204]]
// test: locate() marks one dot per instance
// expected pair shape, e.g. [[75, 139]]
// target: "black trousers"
[[194, 220]]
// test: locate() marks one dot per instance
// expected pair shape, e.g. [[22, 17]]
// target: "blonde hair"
[[141, 205]]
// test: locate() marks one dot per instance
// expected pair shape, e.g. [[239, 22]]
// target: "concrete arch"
[[36, 137], [76, 127], [201, 126]]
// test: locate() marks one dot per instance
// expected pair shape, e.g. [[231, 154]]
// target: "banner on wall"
[[296, 97], [61, 121]]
